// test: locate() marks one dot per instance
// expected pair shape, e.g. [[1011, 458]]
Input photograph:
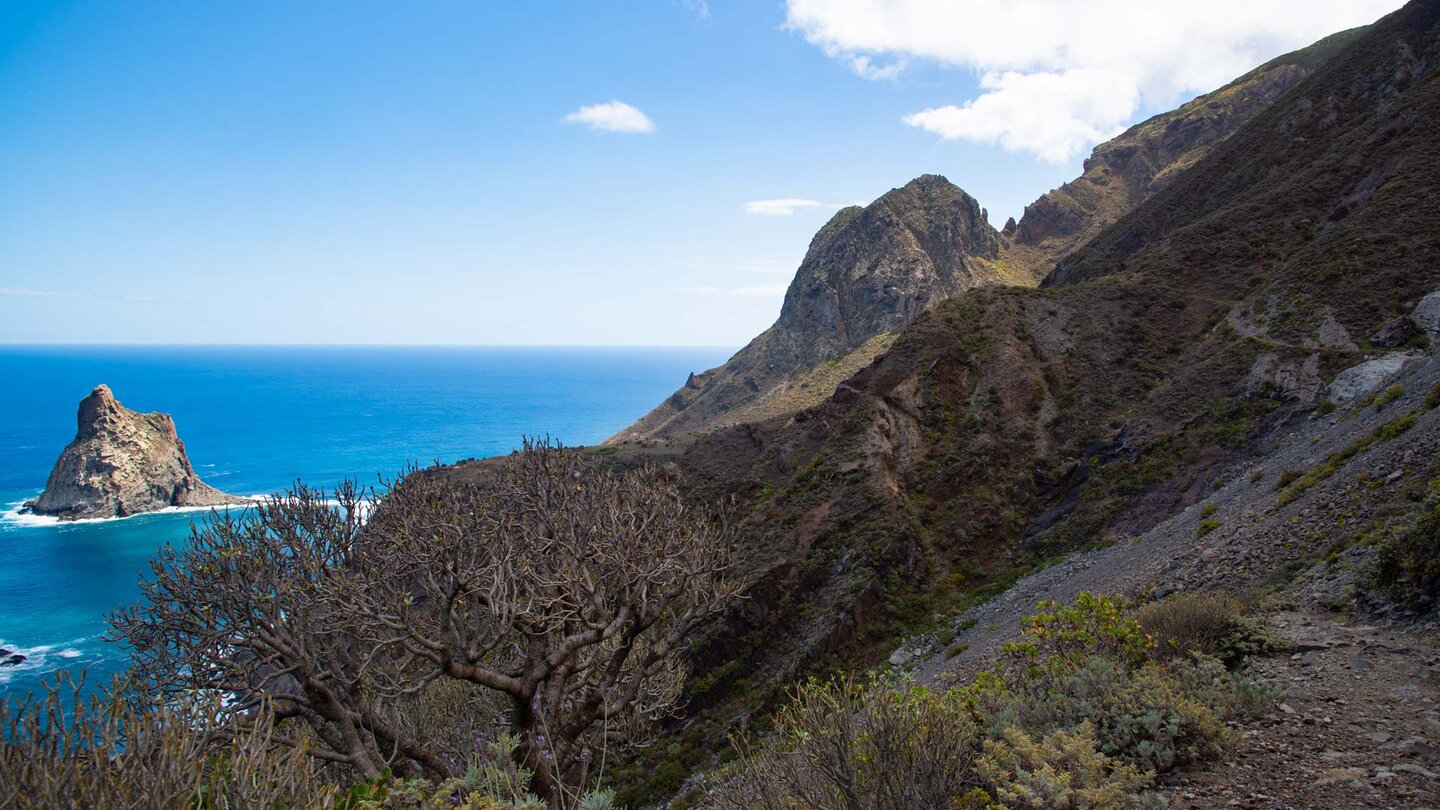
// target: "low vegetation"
[[1084, 711], [1409, 555], [393, 643]]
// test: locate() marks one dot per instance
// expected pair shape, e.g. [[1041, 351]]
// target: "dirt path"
[[1359, 725]]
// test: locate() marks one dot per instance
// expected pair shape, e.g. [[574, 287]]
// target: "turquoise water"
[[253, 421]]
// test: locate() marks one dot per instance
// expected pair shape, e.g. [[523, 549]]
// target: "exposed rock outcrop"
[[123, 463], [869, 272]]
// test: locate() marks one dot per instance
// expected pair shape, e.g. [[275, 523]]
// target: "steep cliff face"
[[867, 274], [1123, 172], [123, 463]]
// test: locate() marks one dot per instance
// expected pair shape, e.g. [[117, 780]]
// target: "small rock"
[[1418, 770], [1340, 775]]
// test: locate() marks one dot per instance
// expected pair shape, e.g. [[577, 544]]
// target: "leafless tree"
[[246, 609], [567, 591], [570, 591]]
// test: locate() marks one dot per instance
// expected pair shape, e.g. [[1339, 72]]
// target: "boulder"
[[1426, 316], [1367, 377]]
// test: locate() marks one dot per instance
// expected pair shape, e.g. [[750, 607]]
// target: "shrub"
[[1432, 399], [1062, 637], [493, 782], [1209, 624], [1287, 478], [1205, 527], [1389, 395], [1409, 555], [1061, 770], [1082, 711], [112, 748], [851, 743], [1141, 714]]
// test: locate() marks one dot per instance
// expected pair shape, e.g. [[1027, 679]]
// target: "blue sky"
[[378, 172]]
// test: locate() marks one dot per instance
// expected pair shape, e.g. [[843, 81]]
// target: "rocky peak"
[[99, 411], [873, 269], [122, 463], [869, 272]]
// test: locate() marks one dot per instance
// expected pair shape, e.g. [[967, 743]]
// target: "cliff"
[[123, 463]]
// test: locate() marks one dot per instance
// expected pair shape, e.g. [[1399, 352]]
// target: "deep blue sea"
[[253, 421]]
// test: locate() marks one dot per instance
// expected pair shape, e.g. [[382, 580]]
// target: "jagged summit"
[[868, 273], [122, 463]]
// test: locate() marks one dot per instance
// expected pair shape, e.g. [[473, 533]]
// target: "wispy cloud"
[[748, 291], [769, 266], [13, 292], [612, 116], [786, 206], [701, 8], [1057, 76]]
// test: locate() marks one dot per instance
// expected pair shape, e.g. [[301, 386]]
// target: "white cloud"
[[701, 8], [612, 116], [1058, 76], [779, 208], [786, 206]]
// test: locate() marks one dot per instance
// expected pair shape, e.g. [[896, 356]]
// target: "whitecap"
[[12, 516]]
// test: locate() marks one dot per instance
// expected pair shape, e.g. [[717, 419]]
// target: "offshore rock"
[[123, 463]]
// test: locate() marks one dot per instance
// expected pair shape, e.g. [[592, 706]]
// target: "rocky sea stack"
[[122, 463]]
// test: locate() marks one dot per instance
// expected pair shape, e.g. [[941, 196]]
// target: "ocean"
[[256, 419]]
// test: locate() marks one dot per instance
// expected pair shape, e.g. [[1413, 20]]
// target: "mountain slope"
[[1008, 425], [1121, 173], [869, 272]]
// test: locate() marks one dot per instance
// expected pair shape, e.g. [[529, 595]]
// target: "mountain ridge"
[[869, 271]]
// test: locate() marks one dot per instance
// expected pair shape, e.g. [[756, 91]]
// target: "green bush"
[[851, 743], [1432, 399], [1389, 395], [1082, 712], [1409, 555], [1061, 770]]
